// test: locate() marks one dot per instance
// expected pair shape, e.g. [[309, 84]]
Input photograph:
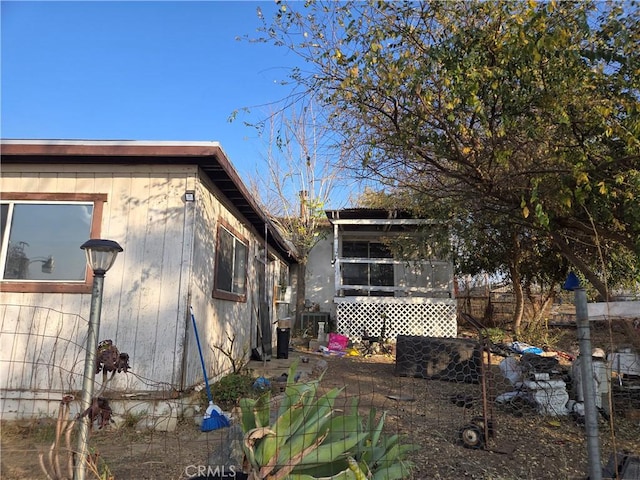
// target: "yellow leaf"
[[525, 212], [603, 188], [536, 55], [582, 178]]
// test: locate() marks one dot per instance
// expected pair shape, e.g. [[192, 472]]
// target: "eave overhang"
[[208, 156]]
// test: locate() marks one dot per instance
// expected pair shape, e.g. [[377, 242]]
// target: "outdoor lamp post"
[[101, 255]]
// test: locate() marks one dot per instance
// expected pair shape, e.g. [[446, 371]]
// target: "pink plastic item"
[[337, 342]]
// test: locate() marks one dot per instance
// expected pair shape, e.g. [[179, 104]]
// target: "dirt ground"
[[526, 445]]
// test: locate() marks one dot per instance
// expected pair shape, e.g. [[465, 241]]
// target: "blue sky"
[[139, 71]]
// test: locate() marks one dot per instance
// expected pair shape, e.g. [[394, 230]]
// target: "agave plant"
[[310, 440]]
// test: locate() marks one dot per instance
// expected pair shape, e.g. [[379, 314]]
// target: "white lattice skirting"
[[429, 317]]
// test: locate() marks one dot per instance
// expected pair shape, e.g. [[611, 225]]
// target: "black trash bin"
[[284, 334]]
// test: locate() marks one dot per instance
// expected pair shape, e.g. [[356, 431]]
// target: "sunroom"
[[389, 278]]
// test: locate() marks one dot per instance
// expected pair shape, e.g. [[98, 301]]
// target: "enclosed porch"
[[389, 278]]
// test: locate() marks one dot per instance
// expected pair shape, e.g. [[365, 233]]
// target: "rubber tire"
[[471, 436]]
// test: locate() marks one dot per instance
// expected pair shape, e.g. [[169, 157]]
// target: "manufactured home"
[[191, 234]]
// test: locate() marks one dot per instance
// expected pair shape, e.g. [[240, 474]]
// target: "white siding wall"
[[167, 264], [144, 298], [321, 276], [216, 319]]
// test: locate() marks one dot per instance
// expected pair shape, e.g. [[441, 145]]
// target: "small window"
[[231, 266], [284, 289], [368, 273], [41, 236], [283, 276]]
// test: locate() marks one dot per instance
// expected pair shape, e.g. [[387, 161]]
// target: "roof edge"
[[201, 153], [115, 148], [145, 143]]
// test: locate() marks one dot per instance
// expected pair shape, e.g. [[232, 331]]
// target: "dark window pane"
[[224, 261], [379, 250], [239, 274], [352, 249], [231, 263], [4, 213]]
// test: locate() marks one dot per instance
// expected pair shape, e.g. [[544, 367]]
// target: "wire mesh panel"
[[41, 356], [625, 391], [390, 317], [438, 358], [42, 360], [452, 406]]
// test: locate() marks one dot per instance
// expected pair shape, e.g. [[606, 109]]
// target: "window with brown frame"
[[230, 282], [41, 234]]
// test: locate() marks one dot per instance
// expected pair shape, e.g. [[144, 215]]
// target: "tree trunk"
[[516, 280], [519, 298], [301, 287], [541, 305]]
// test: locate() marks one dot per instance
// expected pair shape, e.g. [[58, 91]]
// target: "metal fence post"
[[588, 385]]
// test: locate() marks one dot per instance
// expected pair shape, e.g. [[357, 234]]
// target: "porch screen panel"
[[441, 276], [368, 274]]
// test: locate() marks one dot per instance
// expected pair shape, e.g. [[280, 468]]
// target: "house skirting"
[[150, 411], [429, 317]]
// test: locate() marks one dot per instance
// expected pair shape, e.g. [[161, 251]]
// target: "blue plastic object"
[[261, 384], [572, 282], [213, 418]]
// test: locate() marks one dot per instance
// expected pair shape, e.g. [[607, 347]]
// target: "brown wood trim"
[[221, 294], [111, 149], [236, 233], [56, 197], [46, 287], [229, 296], [96, 221], [98, 199]]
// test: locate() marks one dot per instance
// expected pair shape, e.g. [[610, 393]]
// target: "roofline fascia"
[[143, 148]]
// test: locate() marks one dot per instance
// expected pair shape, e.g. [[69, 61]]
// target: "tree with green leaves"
[[521, 114], [487, 245]]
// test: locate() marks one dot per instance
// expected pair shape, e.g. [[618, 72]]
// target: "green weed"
[[131, 419], [229, 389]]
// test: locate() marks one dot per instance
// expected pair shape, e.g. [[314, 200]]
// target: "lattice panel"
[[360, 318]]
